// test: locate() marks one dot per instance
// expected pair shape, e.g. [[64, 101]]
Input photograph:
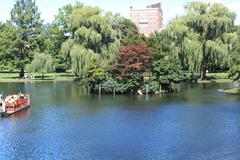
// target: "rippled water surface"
[[64, 122]]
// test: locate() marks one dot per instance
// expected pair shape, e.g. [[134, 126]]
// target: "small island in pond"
[[231, 91]]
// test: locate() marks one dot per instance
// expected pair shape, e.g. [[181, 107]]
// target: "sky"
[[171, 8]]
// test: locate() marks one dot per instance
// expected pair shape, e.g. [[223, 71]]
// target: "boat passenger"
[[11, 99], [21, 96]]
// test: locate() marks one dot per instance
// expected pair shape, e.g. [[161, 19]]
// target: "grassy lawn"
[[214, 77], [68, 76], [14, 77], [218, 75], [9, 75]]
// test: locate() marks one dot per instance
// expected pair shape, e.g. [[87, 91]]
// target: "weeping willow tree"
[[234, 61], [42, 63], [93, 38], [202, 38]]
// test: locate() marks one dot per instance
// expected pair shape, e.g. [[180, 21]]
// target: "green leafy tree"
[[234, 60], [42, 63], [202, 38], [212, 23], [26, 18], [56, 33], [234, 64], [93, 38], [62, 21], [167, 71], [155, 42], [8, 47], [53, 38]]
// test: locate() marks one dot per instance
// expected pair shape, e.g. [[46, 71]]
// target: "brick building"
[[148, 20]]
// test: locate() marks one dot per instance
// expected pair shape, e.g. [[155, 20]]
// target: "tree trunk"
[[99, 89], [166, 87], [203, 70], [42, 76], [114, 91], [21, 74], [238, 77], [22, 56], [160, 87]]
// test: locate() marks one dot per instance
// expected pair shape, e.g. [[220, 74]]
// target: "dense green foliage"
[[8, 47], [96, 75], [128, 32], [93, 38], [234, 64], [42, 63], [201, 39], [234, 60], [167, 71]]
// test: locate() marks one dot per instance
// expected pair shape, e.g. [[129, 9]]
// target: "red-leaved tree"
[[133, 60]]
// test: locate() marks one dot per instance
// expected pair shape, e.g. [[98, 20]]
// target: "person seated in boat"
[[1, 99], [21, 95], [11, 100]]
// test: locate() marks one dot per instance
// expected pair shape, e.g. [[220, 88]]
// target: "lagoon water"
[[63, 122]]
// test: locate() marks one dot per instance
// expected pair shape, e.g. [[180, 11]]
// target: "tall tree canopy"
[[93, 37], [201, 38], [8, 47], [56, 33], [26, 18]]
